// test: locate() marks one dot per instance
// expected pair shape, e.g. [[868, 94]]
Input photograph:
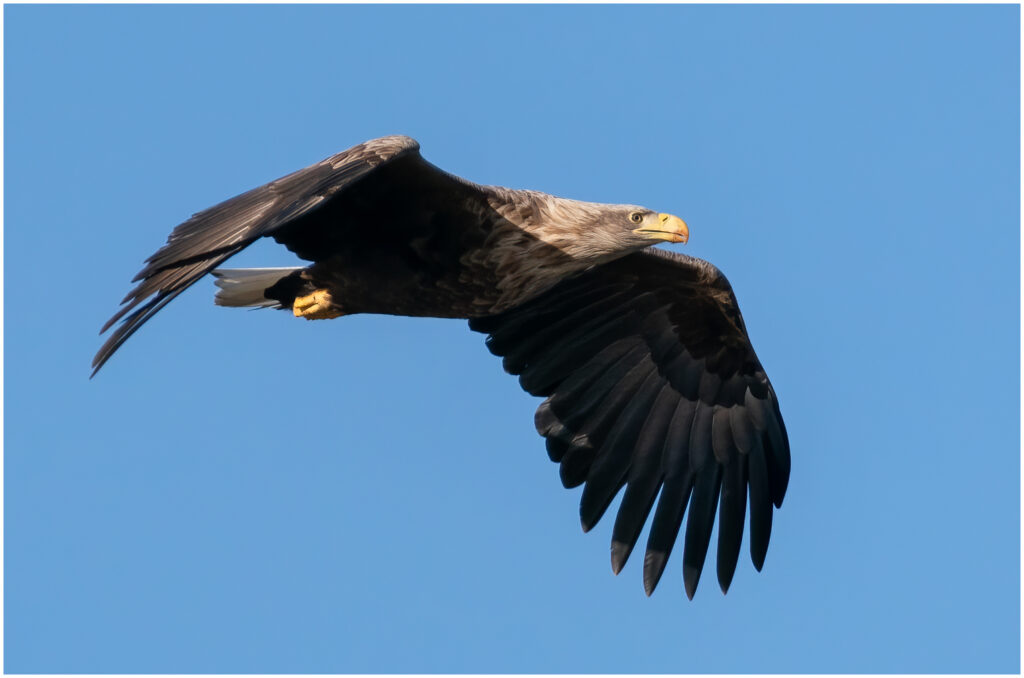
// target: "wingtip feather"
[[654, 567], [691, 576], [620, 554]]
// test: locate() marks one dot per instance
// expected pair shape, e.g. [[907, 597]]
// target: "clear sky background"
[[244, 491]]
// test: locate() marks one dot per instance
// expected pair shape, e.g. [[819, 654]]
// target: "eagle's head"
[[595, 232]]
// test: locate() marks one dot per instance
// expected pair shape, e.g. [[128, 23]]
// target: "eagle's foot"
[[316, 306]]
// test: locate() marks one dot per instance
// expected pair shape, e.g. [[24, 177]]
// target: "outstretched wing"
[[651, 383], [203, 242]]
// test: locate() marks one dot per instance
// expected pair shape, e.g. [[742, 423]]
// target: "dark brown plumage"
[[649, 378]]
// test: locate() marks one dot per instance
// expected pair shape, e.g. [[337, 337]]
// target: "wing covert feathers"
[[651, 384]]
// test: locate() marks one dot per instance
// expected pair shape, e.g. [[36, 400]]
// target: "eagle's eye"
[[636, 217]]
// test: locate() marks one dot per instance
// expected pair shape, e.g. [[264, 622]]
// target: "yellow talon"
[[316, 306]]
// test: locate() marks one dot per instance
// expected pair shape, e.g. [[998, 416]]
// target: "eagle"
[[649, 379]]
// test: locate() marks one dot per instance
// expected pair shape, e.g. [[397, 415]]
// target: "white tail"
[[245, 286]]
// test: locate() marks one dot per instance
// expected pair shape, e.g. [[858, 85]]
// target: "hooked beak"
[[670, 228]]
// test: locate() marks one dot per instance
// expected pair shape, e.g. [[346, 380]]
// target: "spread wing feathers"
[[200, 244], [651, 383]]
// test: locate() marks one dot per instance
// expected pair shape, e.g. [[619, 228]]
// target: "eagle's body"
[[650, 379], [490, 249], [498, 257]]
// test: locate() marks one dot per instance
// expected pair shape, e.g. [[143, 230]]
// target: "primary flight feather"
[[649, 378]]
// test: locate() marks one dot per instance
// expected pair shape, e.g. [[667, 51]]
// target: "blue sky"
[[242, 491]]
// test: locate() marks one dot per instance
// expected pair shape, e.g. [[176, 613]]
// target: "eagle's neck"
[[539, 241]]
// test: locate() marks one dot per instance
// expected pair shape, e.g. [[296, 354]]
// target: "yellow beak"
[[670, 228]]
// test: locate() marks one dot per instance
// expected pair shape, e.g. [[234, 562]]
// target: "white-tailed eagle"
[[649, 378]]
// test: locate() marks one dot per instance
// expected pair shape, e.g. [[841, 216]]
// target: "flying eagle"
[[649, 378]]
